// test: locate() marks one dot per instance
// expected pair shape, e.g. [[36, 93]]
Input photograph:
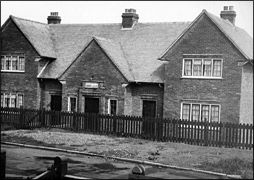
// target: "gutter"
[[221, 175]]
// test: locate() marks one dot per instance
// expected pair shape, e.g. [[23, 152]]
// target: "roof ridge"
[[28, 20], [173, 22], [233, 41], [105, 39], [95, 24]]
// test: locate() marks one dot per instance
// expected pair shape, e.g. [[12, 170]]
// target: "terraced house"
[[200, 70]]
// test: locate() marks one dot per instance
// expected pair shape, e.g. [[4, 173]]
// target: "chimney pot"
[[54, 18], [225, 8], [229, 14], [129, 18]]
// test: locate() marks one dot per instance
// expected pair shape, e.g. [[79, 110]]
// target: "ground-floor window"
[[12, 100], [112, 106], [72, 104], [200, 112]]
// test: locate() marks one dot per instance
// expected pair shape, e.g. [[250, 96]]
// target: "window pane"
[[21, 63], [197, 67], [195, 112], [186, 112], [113, 106], [215, 113], [217, 68], [14, 63], [187, 67], [2, 100], [8, 63], [207, 67], [2, 63], [205, 113], [13, 100], [73, 104], [20, 100], [7, 100]]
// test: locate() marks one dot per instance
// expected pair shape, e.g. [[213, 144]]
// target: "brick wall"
[[93, 65], [49, 87], [203, 38], [143, 91], [13, 41], [246, 106]]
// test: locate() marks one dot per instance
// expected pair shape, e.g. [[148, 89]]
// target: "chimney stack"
[[129, 18], [229, 14], [54, 18]]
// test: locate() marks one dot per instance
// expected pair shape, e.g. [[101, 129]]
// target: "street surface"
[[24, 162]]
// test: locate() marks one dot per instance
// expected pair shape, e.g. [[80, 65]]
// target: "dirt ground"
[[176, 154]]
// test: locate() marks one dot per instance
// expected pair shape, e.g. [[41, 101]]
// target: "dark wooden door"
[[148, 125], [149, 108], [91, 105], [56, 103]]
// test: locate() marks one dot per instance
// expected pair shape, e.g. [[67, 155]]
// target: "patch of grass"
[[25, 140], [234, 166], [6, 127]]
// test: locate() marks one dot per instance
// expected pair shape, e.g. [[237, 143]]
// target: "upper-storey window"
[[13, 63], [202, 67]]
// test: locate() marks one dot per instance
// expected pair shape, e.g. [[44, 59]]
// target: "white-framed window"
[[13, 63], [112, 106], [12, 100], [72, 103], [200, 112], [202, 68]]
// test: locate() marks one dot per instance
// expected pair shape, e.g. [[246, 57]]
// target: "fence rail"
[[175, 130]]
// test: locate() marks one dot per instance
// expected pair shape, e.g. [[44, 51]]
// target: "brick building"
[[191, 70]]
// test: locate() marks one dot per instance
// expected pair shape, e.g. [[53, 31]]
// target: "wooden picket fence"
[[231, 135]]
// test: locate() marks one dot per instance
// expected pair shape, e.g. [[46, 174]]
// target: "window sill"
[[11, 71], [197, 77]]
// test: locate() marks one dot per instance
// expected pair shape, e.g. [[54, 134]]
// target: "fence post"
[[21, 117], [114, 124], [3, 163], [74, 120], [42, 117], [206, 132]]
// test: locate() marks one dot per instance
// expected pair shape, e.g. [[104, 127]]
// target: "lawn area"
[[217, 159]]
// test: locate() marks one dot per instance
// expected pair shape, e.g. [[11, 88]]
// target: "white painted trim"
[[198, 77], [12, 71], [109, 107], [200, 107], [38, 76], [11, 95], [201, 77], [69, 103], [18, 60], [203, 54]]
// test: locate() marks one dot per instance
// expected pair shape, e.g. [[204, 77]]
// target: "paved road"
[[26, 162]]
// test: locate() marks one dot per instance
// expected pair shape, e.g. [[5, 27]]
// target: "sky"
[[82, 12]]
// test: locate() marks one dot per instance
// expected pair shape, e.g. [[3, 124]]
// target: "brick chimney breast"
[[54, 18], [130, 18], [229, 14]]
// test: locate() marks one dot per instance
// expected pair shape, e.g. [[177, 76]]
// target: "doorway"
[[149, 108], [91, 105], [56, 103]]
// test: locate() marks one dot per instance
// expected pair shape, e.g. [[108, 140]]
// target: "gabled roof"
[[38, 34], [140, 47], [239, 37], [134, 52], [115, 53]]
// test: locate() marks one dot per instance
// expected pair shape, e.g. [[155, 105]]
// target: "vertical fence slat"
[[174, 130]]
